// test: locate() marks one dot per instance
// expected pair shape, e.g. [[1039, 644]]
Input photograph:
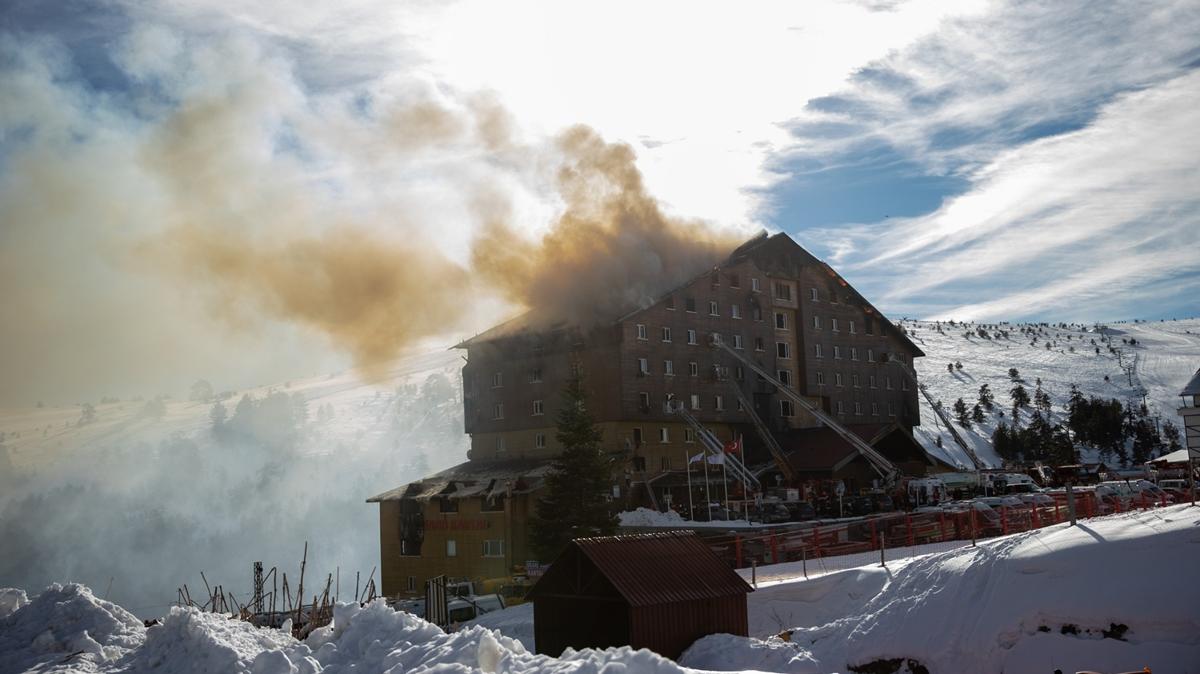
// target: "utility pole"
[[258, 587]]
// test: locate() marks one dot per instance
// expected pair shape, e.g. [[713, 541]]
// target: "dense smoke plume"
[[611, 249]]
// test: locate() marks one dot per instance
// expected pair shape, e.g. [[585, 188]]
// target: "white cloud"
[[1062, 223], [1073, 125]]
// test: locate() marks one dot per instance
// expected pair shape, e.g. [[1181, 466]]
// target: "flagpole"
[[725, 480], [741, 452], [687, 465], [707, 511]]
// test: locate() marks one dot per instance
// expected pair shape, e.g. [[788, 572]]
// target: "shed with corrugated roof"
[[660, 591]]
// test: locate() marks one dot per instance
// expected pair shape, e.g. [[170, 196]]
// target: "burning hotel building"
[[771, 302]]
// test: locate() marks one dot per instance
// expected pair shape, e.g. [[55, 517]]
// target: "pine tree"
[[1020, 399], [1041, 400], [977, 414], [1013, 374], [960, 412], [1170, 433], [574, 504], [986, 397]]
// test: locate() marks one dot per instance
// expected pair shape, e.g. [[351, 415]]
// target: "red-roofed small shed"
[[659, 591]]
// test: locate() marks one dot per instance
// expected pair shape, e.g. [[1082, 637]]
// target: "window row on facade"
[[491, 548]]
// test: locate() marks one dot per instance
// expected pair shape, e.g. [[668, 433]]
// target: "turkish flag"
[[734, 446]]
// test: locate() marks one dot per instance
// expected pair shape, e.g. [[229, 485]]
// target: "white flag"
[[717, 459], [696, 459]]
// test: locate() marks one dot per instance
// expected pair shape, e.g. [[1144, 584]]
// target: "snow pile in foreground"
[[69, 629], [1113, 594], [65, 624]]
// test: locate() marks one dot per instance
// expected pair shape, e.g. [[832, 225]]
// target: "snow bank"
[[514, 621], [69, 629], [1030, 602], [193, 642], [65, 625]]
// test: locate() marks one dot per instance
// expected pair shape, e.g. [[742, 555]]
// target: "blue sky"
[[973, 160]]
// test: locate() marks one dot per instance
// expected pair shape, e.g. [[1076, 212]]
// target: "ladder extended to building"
[[714, 447], [886, 469]]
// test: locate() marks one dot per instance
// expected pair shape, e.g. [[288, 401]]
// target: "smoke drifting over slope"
[[373, 221]]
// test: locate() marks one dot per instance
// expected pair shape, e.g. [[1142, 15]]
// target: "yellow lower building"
[[468, 522]]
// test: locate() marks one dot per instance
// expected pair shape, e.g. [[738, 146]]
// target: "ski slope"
[[1168, 354]]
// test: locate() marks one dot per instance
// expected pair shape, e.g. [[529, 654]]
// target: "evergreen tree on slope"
[[575, 504]]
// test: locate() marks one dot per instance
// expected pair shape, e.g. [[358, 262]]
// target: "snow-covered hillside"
[[1167, 353], [1030, 602]]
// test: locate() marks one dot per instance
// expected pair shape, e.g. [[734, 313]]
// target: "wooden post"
[[1071, 503], [804, 560], [874, 541], [754, 572], [300, 586], [882, 545], [1037, 522]]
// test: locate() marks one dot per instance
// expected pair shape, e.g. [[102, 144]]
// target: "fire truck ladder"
[[887, 471], [714, 447], [941, 415], [765, 433]]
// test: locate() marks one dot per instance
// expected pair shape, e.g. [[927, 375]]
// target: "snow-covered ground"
[[1168, 354], [1030, 602], [1114, 594]]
